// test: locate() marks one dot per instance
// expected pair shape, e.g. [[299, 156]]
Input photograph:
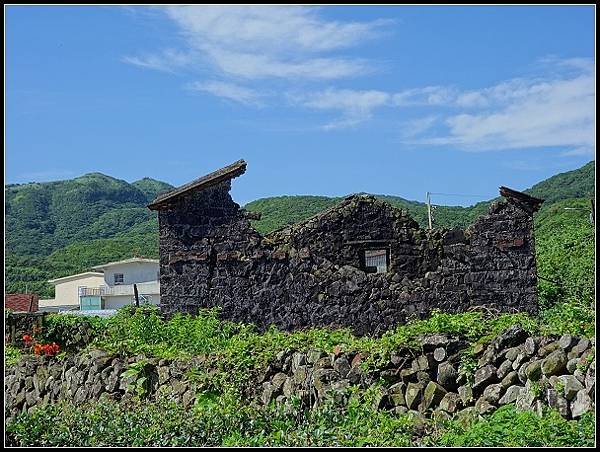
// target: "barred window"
[[118, 278], [376, 261]]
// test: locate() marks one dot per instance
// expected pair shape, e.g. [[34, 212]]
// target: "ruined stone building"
[[362, 263]]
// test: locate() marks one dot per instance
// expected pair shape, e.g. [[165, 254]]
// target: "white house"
[[66, 291], [110, 286]]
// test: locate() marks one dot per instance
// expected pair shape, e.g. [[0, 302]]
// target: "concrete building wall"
[[67, 292], [133, 272], [116, 302]]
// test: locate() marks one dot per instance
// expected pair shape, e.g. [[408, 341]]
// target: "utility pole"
[[593, 214], [429, 210], [135, 294]]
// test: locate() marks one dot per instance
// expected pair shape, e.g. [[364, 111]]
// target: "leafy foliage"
[[281, 211], [233, 423], [565, 251], [237, 352], [507, 427], [12, 355], [138, 378], [578, 183]]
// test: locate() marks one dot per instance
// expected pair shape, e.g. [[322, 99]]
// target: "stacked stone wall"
[[312, 273], [530, 372]]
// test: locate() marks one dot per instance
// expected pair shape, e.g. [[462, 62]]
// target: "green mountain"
[[44, 217], [281, 211], [58, 228], [579, 183], [151, 188]]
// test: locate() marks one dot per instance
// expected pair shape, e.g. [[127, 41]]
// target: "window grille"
[[376, 261], [118, 278]]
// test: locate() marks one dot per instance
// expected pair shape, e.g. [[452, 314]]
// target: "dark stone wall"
[[514, 367], [309, 274]]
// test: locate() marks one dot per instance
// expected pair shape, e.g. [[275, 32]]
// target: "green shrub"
[[12, 355], [239, 352], [229, 422], [573, 316], [507, 427], [66, 330]]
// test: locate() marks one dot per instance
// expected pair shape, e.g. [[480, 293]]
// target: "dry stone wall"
[[531, 372], [71, 336], [94, 375], [312, 273]]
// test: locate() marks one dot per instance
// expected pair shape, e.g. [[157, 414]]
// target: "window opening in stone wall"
[[376, 261]]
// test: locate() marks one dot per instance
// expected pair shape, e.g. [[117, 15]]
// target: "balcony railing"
[[151, 287], [91, 292]]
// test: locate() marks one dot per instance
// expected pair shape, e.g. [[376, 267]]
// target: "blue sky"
[[329, 101]]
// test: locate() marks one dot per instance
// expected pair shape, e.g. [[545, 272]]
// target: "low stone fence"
[[531, 372], [94, 375], [71, 336], [20, 323]]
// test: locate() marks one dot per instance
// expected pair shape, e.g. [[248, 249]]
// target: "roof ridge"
[[227, 172]]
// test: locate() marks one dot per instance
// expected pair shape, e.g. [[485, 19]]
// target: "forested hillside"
[[58, 228]]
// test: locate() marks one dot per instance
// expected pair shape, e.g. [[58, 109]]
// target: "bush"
[[72, 332], [507, 427], [12, 355], [228, 422]]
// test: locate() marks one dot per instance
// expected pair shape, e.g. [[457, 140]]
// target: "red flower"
[[27, 338], [47, 349]]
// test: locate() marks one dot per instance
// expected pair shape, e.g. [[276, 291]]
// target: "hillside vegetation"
[[222, 414], [59, 228], [234, 357]]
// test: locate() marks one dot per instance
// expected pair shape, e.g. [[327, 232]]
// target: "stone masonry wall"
[[310, 274], [90, 376], [531, 372]]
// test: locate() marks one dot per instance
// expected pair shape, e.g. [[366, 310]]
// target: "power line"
[[460, 194]]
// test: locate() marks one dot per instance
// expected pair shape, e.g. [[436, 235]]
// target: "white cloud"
[[258, 65], [355, 106], [168, 60], [256, 42], [429, 95], [229, 91], [418, 126], [558, 112], [578, 152], [244, 48], [273, 29]]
